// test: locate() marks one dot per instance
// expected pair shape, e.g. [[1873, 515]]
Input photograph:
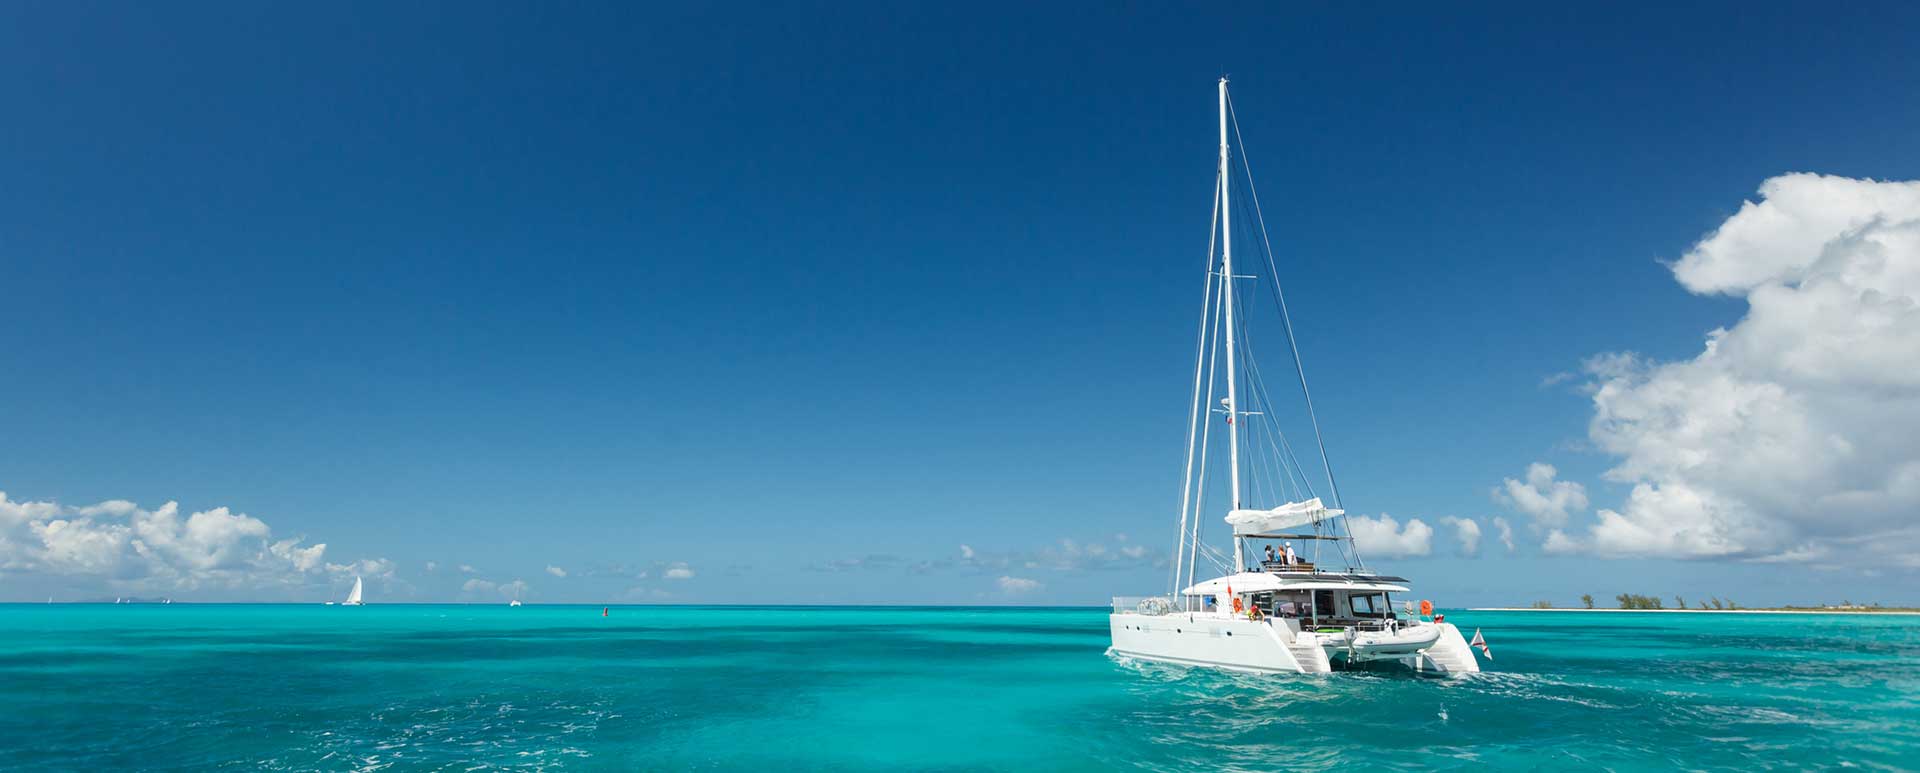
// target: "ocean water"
[[406, 687]]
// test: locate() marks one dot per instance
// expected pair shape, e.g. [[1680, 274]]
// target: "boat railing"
[[1144, 605]]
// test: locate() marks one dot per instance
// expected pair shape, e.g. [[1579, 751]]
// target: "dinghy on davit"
[[1289, 611]]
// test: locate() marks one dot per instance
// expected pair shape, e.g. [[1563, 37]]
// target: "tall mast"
[[1227, 297]]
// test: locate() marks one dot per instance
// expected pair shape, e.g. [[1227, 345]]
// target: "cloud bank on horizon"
[[1386, 537], [1791, 436], [119, 545]]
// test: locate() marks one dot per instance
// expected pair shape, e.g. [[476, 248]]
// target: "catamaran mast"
[[1227, 297]]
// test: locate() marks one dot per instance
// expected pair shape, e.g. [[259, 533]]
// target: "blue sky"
[[800, 300]]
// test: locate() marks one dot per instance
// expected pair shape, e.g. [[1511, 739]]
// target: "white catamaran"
[[1287, 612]]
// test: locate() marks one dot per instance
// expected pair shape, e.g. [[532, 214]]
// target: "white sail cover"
[[1284, 517]]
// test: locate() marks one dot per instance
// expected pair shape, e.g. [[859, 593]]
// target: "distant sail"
[[353, 597]]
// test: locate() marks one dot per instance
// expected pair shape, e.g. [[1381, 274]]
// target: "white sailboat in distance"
[[1311, 612], [353, 596]]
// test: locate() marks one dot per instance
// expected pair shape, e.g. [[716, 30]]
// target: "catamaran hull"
[[1449, 655], [1272, 648], [1235, 645]]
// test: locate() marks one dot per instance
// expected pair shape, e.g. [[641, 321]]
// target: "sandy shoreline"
[[1705, 611]]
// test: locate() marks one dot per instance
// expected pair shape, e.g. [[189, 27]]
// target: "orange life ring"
[[1426, 607]]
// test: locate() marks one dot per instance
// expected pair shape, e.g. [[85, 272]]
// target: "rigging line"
[[1282, 471], [1194, 407], [1220, 560], [1206, 431], [1293, 342], [1287, 446], [1281, 298], [1284, 443], [1262, 394], [1258, 381], [1244, 346], [1264, 458], [1249, 442], [1260, 452], [1238, 411]]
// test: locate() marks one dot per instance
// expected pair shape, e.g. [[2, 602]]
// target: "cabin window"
[[1367, 605]]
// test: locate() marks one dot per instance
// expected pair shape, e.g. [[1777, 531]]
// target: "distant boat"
[[353, 596], [514, 603]]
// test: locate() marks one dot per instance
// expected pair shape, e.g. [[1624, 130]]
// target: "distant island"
[[1633, 602]]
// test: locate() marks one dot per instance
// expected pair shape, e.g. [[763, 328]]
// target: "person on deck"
[[1290, 558], [1269, 554]]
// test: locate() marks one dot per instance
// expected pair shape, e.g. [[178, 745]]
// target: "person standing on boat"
[[1289, 552], [1269, 553]]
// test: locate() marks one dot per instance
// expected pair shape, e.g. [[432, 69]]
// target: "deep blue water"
[[728, 688]]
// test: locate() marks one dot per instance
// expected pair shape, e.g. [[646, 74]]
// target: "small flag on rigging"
[[1481, 642]]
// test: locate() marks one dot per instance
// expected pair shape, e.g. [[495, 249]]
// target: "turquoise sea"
[[419, 687]]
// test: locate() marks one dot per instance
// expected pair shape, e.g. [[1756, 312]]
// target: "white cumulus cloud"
[[1505, 530], [119, 544], [377, 568], [1467, 531], [1547, 501], [1386, 537], [1792, 434], [1016, 585], [556, 571], [678, 571]]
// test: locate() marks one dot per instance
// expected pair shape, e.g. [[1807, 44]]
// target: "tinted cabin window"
[[1323, 603]]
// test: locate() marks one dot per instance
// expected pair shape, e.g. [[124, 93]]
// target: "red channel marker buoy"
[[603, 611]]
